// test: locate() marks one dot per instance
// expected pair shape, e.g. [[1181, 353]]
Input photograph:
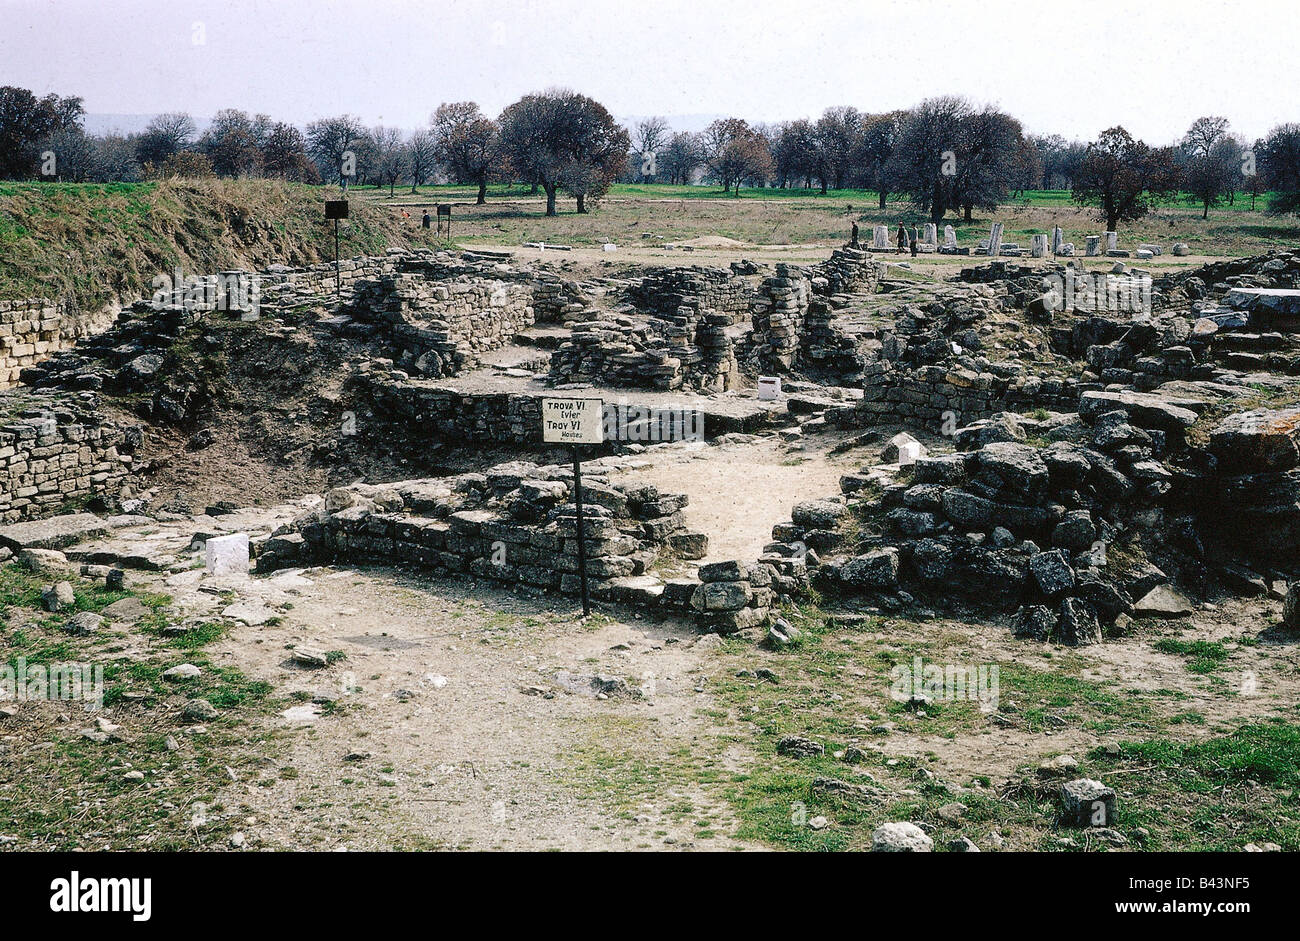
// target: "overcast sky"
[[1073, 68]]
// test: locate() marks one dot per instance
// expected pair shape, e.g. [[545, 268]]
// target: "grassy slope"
[[96, 243]]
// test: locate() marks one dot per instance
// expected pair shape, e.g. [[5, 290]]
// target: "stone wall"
[[685, 352], [515, 523], [439, 328], [404, 417], [924, 397], [779, 319], [663, 291], [49, 457], [36, 328]]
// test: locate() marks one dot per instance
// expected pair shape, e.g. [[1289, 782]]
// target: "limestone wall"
[[441, 327], [35, 328], [663, 291], [895, 395], [49, 459]]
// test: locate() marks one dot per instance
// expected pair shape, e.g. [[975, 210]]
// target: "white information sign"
[[573, 421]]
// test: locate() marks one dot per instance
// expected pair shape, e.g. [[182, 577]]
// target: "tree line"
[[944, 155]]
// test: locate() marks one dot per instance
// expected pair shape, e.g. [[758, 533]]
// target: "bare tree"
[[165, 135], [880, 135], [1209, 165], [923, 165], [390, 156], [467, 144], [421, 157], [734, 152], [681, 157], [838, 133], [231, 144], [1279, 159], [648, 138], [330, 141], [284, 155], [1119, 174]]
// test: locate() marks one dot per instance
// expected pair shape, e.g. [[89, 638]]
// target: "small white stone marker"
[[769, 387], [908, 452], [227, 555]]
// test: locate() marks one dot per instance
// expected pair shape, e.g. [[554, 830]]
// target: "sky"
[[1153, 66]]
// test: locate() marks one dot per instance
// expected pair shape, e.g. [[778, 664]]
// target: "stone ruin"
[[1096, 465]]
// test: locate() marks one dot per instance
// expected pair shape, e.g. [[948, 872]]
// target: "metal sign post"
[[337, 209], [575, 422], [444, 209]]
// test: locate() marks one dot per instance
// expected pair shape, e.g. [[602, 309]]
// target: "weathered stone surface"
[[227, 555], [877, 569], [973, 512], [1052, 572], [57, 532], [818, 514], [1146, 410], [1013, 468], [1259, 440], [1087, 803], [1075, 532], [900, 837], [58, 597], [1078, 626], [1036, 622], [794, 746], [722, 596], [198, 710], [1162, 602], [82, 623], [903, 449]]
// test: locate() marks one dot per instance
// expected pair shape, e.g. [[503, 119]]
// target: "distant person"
[[902, 238], [425, 220], [913, 240], [853, 239]]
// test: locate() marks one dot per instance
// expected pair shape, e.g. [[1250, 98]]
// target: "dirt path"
[[739, 491], [467, 719]]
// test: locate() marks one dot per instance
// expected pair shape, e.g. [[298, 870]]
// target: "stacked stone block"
[[48, 458]]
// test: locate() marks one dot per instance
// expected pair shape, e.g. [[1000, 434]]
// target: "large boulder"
[[902, 449], [1258, 440], [1087, 803], [722, 596], [818, 514], [1052, 572], [1078, 626], [1075, 532], [1037, 622], [1162, 602], [972, 512], [877, 569], [1144, 409], [900, 838], [1013, 469]]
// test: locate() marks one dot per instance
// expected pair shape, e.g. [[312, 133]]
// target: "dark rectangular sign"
[[336, 209], [444, 210]]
